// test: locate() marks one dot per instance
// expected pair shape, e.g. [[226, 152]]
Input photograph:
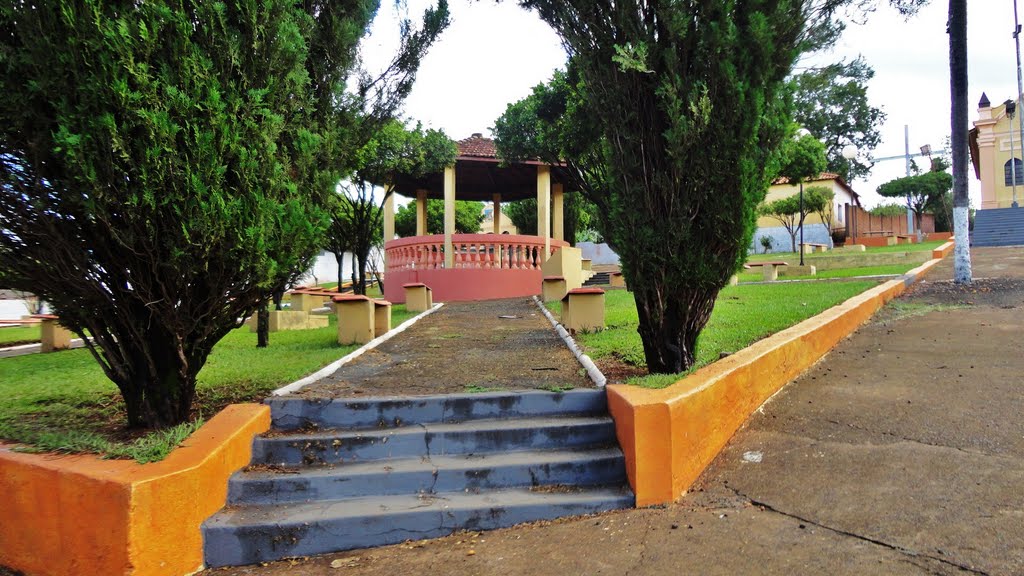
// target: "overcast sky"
[[493, 54]]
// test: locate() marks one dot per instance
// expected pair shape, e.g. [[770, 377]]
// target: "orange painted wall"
[[670, 436], [70, 515]]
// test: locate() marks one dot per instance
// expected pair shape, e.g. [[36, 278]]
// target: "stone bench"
[[554, 288], [770, 269], [53, 336], [616, 280], [811, 247], [418, 297], [583, 309], [381, 317]]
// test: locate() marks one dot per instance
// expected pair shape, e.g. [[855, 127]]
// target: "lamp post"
[[800, 134], [850, 153], [1020, 92], [1011, 109]]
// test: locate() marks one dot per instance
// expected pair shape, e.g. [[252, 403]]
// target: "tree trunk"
[[670, 321], [339, 257], [157, 402], [359, 286], [263, 326], [958, 91]]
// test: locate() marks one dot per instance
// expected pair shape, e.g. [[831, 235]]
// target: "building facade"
[[995, 144]]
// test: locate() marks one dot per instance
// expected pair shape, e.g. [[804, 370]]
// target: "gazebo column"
[[449, 216], [497, 213], [421, 212], [557, 220], [544, 208], [389, 224]]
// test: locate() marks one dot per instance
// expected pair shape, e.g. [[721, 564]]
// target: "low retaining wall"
[[670, 436], [80, 514]]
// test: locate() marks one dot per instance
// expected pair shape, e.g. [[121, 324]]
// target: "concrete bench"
[[811, 247], [770, 269], [807, 270], [554, 288], [906, 238], [583, 309], [356, 319], [418, 297], [381, 317], [616, 280], [53, 336]]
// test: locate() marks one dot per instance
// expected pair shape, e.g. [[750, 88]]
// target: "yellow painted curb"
[[84, 515], [669, 436]]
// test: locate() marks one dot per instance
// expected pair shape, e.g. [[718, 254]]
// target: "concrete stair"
[[339, 474], [998, 227], [598, 279]]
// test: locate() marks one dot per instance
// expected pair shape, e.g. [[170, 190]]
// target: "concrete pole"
[[544, 208], [449, 216], [906, 144], [497, 213], [1020, 106], [557, 219], [421, 212], [389, 218]]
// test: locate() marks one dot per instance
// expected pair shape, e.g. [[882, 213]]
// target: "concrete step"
[[598, 279], [292, 413], [251, 534], [600, 466], [472, 437]]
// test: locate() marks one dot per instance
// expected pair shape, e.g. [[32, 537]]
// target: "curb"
[[669, 436], [333, 366], [592, 370]]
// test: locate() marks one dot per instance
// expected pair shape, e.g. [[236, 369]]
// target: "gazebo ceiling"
[[479, 175]]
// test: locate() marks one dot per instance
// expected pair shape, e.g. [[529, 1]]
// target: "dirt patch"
[[463, 347]]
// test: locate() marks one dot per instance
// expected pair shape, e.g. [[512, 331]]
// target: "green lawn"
[[742, 316], [794, 258], [14, 335], [63, 402], [757, 275]]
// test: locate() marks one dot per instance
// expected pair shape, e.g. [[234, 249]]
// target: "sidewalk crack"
[[911, 440], [870, 540]]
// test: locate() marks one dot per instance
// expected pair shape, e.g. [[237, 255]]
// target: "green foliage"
[[888, 210], [821, 198], [832, 103], [667, 119], [579, 216], [787, 211], [801, 158], [357, 216], [468, 216], [921, 191], [164, 166], [766, 243]]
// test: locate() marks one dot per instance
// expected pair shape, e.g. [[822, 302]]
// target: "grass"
[[794, 258], [63, 402], [742, 316], [14, 335], [886, 269]]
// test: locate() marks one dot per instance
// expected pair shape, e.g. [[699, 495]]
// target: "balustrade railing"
[[496, 251]]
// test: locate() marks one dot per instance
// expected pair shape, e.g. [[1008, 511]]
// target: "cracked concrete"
[[901, 453]]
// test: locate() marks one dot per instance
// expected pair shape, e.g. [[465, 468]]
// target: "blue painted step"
[[292, 413], [601, 466], [246, 535], [998, 227], [480, 436]]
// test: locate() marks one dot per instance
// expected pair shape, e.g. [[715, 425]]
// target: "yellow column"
[[544, 208], [389, 218], [449, 216], [991, 169], [497, 213], [421, 212], [557, 221]]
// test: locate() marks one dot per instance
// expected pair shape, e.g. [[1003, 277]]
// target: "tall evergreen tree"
[[163, 166]]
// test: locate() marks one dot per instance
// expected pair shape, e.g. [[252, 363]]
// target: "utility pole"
[[1020, 92], [957, 29]]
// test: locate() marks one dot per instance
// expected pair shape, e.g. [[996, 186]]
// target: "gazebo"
[[459, 267]]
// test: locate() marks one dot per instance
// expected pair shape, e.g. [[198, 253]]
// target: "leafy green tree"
[[890, 210], [801, 158], [163, 166], [680, 110], [787, 212], [822, 198], [579, 216], [920, 191], [468, 216], [357, 220], [832, 102]]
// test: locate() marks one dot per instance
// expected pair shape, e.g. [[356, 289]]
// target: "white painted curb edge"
[[333, 366], [592, 370]]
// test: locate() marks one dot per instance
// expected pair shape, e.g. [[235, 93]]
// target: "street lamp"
[[850, 153], [1011, 109]]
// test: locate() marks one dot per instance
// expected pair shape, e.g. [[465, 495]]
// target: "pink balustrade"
[[484, 267]]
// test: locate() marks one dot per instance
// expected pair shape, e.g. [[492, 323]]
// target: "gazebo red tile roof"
[[477, 146]]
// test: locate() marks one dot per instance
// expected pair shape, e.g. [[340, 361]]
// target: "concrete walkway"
[[902, 452]]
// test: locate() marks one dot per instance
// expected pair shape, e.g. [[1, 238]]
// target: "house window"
[[1008, 172], [839, 211]]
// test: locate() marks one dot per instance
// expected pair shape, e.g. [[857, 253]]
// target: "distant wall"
[[781, 242], [599, 254]]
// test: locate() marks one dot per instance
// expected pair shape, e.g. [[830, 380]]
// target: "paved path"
[[462, 347], [902, 452]]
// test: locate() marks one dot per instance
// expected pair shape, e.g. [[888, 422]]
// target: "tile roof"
[[822, 176], [478, 146]]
